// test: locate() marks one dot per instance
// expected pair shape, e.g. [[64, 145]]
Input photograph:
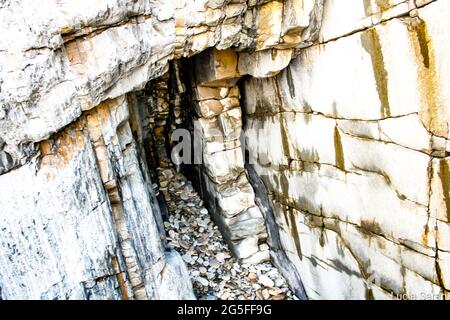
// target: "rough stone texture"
[[351, 141], [66, 58], [89, 218], [346, 110], [74, 180], [229, 195]]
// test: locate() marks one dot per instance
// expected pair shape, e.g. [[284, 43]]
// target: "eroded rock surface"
[[351, 141], [345, 175], [66, 58], [74, 166], [87, 227]]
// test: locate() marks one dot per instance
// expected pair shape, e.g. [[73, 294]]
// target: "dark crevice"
[[279, 256]]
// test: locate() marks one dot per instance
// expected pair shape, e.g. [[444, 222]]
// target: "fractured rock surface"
[[344, 180], [73, 134], [351, 141], [222, 176], [89, 223], [67, 58]]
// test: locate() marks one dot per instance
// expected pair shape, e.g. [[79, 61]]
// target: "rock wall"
[[81, 222], [346, 114], [65, 58], [79, 217], [351, 141], [218, 126]]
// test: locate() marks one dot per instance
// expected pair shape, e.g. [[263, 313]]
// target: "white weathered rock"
[[350, 139], [204, 282], [350, 143], [68, 58], [264, 64], [245, 248], [92, 234], [266, 281], [259, 257]]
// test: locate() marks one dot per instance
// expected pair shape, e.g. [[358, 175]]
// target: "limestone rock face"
[[66, 58], [230, 196], [79, 217], [324, 133], [85, 219], [351, 141]]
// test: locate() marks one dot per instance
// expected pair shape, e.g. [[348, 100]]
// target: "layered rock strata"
[[90, 222], [345, 109], [351, 141], [68, 58], [79, 217], [214, 272], [222, 175]]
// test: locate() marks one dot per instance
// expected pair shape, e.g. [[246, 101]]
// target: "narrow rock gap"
[[190, 230]]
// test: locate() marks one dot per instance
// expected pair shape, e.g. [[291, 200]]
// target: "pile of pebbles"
[[215, 273]]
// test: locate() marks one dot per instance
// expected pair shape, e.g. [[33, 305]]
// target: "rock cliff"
[[320, 133]]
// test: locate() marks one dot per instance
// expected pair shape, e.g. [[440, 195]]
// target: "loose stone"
[[266, 281], [202, 281], [215, 273]]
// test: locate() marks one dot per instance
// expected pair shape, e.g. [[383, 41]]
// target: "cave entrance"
[[189, 122]]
